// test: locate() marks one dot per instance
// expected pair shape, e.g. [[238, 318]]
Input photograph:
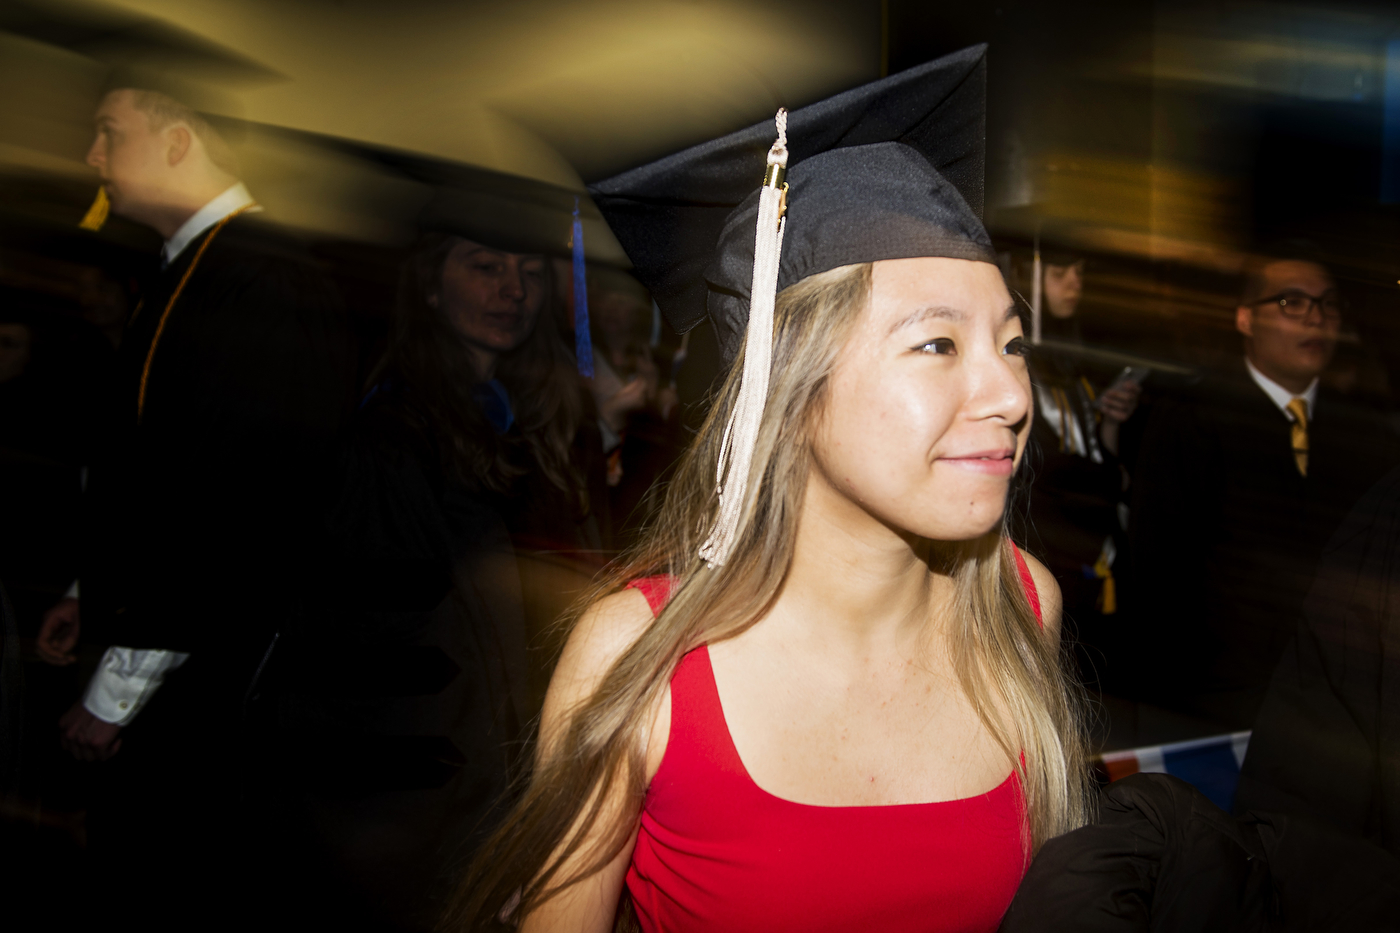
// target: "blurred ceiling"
[[325, 92], [550, 89]]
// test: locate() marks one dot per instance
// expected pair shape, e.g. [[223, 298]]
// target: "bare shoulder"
[[604, 631], [1048, 590]]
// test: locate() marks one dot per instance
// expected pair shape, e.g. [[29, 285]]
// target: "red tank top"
[[716, 852]]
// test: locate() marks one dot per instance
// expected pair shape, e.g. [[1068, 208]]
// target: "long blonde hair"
[[1009, 670]]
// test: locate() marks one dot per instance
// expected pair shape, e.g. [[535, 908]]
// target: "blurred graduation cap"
[[888, 170], [507, 212], [1037, 233], [139, 51], [1037, 225], [510, 213]]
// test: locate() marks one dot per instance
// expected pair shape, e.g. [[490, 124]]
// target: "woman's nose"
[[999, 390], [94, 153], [514, 285]]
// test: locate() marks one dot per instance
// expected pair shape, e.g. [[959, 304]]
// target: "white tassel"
[[741, 433]]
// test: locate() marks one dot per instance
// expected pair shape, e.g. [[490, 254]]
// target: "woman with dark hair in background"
[[492, 375], [413, 679], [1077, 475]]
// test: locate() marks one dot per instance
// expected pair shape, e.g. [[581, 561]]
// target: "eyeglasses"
[[1296, 303]]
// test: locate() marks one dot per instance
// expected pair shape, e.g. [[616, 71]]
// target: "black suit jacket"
[[1324, 745], [198, 515], [1227, 533]]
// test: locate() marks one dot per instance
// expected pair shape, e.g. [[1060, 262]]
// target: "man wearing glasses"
[[1290, 315], [1240, 481]]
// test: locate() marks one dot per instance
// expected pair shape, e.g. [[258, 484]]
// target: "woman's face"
[[1064, 286], [491, 298], [929, 406]]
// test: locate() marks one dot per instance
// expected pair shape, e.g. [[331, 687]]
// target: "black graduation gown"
[[196, 531], [1158, 857], [1161, 858], [198, 511], [1323, 743], [1073, 508], [1226, 533], [1322, 763], [402, 699]]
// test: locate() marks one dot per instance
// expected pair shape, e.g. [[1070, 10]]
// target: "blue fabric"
[[1211, 769], [583, 340], [495, 403]]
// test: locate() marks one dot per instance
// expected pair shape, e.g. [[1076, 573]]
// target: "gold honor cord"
[[170, 306]]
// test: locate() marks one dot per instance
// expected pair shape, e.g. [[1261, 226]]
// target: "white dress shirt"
[[1281, 396], [233, 199], [127, 678]]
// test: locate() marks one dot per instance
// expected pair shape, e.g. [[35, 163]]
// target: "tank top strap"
[[657, 590], [1028, 582], [699, 741], [700, 761]]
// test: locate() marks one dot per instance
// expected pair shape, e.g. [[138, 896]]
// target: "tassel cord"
[[736, 459]]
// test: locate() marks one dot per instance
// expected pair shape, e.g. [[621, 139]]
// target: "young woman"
[[477, 347], [411, 686], [489, 371], [854, 716]]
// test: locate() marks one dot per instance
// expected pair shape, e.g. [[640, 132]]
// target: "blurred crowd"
[[285, 558]]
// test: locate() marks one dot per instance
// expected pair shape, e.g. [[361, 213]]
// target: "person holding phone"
[[1078, 478]]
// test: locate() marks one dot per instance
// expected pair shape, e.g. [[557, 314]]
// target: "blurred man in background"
[[234, 374], [1239, 482]]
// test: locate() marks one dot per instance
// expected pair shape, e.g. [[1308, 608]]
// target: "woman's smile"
[[999, 462]]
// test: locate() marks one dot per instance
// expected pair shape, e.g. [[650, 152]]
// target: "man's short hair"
[[164, 111], [1256, 283]]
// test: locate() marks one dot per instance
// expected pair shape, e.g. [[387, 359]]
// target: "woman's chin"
[[940, 528]]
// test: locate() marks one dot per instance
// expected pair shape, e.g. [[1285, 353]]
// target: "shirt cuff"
[[126, 679]]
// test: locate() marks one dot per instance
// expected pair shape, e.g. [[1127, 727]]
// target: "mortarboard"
[[511, 213], [890, 170], [890, 158]]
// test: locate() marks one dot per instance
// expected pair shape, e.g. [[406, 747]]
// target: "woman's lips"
[[505, 320], [989, 462]]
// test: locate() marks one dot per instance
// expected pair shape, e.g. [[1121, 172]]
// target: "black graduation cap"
[[893, 169]]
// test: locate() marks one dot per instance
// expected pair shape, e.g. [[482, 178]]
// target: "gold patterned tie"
[[1299, 408]]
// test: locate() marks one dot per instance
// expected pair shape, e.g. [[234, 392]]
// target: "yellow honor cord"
[[170, 306], [97, 214]]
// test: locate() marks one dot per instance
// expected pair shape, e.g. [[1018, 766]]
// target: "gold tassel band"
[[97, 214]]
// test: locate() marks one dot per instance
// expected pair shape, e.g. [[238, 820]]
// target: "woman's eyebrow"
[[486, 251], [937, 313]]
